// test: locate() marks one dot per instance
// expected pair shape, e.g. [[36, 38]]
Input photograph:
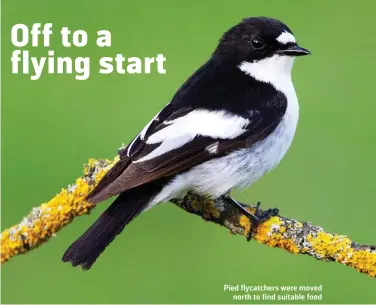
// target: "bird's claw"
[[258, 218]]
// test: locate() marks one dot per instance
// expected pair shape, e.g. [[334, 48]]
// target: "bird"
[[231, 122]]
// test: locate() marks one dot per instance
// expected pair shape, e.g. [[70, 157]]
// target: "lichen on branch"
[[44, 221], [289, 234]]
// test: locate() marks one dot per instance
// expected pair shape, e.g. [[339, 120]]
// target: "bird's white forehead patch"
[[286, 38]]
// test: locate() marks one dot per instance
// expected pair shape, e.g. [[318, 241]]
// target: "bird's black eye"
[[257, 43]]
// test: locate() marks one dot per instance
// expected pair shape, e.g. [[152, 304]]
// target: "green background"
[[50, 127]]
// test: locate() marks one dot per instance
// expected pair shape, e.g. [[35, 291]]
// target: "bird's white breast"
[[244, 166]]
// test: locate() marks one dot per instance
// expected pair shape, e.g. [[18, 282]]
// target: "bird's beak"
[[294, 50]]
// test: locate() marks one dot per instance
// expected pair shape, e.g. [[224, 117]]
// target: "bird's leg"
[[257, 218]]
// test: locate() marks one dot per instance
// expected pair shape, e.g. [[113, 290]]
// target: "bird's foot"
[[258, 218]]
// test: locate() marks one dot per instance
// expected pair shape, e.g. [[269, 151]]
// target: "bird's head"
[[264, 42], [257, 38]]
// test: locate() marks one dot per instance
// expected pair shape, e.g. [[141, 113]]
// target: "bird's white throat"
[[275, 70]]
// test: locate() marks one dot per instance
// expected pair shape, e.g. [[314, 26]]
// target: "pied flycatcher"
[[230, 123]]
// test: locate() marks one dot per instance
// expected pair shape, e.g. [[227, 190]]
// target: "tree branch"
[[281, 232]]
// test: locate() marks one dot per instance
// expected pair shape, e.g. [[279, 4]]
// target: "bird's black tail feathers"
[[86, 249]]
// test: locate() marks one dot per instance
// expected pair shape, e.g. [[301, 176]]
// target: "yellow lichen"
[[210, 210], [196, 203], [271, 233], [328, 245], [245, 223], [363, 261], [50, 217], [203, 204], [339, 247]]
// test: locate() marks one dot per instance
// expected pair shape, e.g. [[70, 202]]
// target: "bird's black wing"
[[144, 164], [182, 136]]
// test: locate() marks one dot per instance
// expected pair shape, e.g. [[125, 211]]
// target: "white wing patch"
[[214, 124], [286, 38], [212, 148]]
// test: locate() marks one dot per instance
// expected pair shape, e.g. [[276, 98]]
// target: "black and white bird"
[[230, 123]]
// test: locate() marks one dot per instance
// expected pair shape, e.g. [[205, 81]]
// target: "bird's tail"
[[86, 249]]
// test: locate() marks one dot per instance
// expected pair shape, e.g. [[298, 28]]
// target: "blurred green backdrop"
[[50, 127]]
